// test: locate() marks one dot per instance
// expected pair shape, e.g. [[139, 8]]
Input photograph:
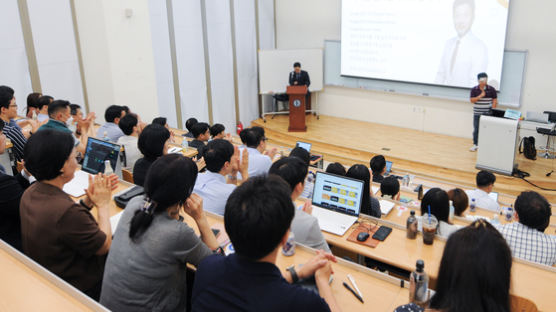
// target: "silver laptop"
[[336, 202]]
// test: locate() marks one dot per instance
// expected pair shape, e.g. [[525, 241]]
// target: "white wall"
[[246, 56], [219, 37], [191, 60], [55, 49], [14, 68], [160, 37], [118, 56], [306, 24]]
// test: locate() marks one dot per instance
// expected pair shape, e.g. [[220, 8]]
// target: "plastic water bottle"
[[472, 206], [495, 219], [108, 168], [34, 115], [451, 213], [418, 285], [289, 247], [411, 225], [105, 136]]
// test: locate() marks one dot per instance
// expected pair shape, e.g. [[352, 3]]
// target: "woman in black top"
[[153, 143], [369, 205], [474, 273]]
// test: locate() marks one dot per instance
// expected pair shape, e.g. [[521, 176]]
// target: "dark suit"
[[302, 80]]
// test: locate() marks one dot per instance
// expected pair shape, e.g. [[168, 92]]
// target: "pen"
[[352, 280], [353, 292]]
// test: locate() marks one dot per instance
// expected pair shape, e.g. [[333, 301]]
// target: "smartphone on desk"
[[382, 233]]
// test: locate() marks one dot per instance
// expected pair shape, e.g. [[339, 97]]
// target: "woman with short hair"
[[57, 232]]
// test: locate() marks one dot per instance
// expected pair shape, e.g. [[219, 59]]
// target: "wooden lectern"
[[297, 96]]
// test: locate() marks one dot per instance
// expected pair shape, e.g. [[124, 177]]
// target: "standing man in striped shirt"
[[484, 98]]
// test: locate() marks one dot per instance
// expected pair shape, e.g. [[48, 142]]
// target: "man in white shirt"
[[255, 143], [110, 130], [485, 183], [526, 237], [129, 126], [44, 101], [222, 160], [464, 55], [305, 227]]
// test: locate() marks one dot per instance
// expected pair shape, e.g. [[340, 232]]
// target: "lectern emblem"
[[296, 103]]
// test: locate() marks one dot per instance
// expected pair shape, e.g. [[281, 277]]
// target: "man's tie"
[[454, 55]]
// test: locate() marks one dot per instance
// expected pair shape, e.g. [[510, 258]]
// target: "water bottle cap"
[[420, 265], [412, 212]]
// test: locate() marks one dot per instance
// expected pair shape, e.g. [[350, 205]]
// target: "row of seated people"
[[525, 237], [78, 224], [145, 268]]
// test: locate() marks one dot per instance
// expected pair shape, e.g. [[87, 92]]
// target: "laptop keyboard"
[[333, 222]]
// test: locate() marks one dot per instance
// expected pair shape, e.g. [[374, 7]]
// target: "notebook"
[[386, 206]]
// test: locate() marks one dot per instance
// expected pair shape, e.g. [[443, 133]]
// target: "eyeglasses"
[[13, 105], [369, 225]]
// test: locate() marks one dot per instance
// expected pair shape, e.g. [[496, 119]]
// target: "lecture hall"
[[277, 155]]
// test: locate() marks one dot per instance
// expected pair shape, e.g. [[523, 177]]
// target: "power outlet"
[[418, 109]]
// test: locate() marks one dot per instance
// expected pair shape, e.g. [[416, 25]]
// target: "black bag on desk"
[[123, 199], [529, 149]]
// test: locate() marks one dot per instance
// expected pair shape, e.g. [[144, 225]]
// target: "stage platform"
[[425, 154]]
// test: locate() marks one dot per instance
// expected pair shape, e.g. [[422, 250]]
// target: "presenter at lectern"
[[484, 99], [300, 77]]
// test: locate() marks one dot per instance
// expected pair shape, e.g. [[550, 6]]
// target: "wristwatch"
[[295, 277], [82, 203]]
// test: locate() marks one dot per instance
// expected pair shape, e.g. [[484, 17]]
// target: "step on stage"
[[426, 154]]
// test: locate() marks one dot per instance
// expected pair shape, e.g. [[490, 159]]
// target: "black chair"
[[551, 116], [549, 133]]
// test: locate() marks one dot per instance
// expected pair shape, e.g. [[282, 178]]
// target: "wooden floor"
[[426, 154]]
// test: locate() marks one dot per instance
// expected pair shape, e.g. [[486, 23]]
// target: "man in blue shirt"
[[222, 160], [257, 218], [110, 129], [255, 143]]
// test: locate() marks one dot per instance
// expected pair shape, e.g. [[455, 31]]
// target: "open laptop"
[[388, 167], [494, 196], [389, 170], [336, 202], [307, 146], [96, 152]]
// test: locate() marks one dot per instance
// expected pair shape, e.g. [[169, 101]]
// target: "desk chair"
[[519, 304], [127, 175], [549, 133]]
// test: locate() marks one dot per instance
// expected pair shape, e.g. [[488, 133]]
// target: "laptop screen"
[[494, 196], [388, 166], [97, 152], [304, 145], [338, 193]]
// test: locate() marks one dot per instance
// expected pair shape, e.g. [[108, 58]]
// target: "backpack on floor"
[[529, 149]]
